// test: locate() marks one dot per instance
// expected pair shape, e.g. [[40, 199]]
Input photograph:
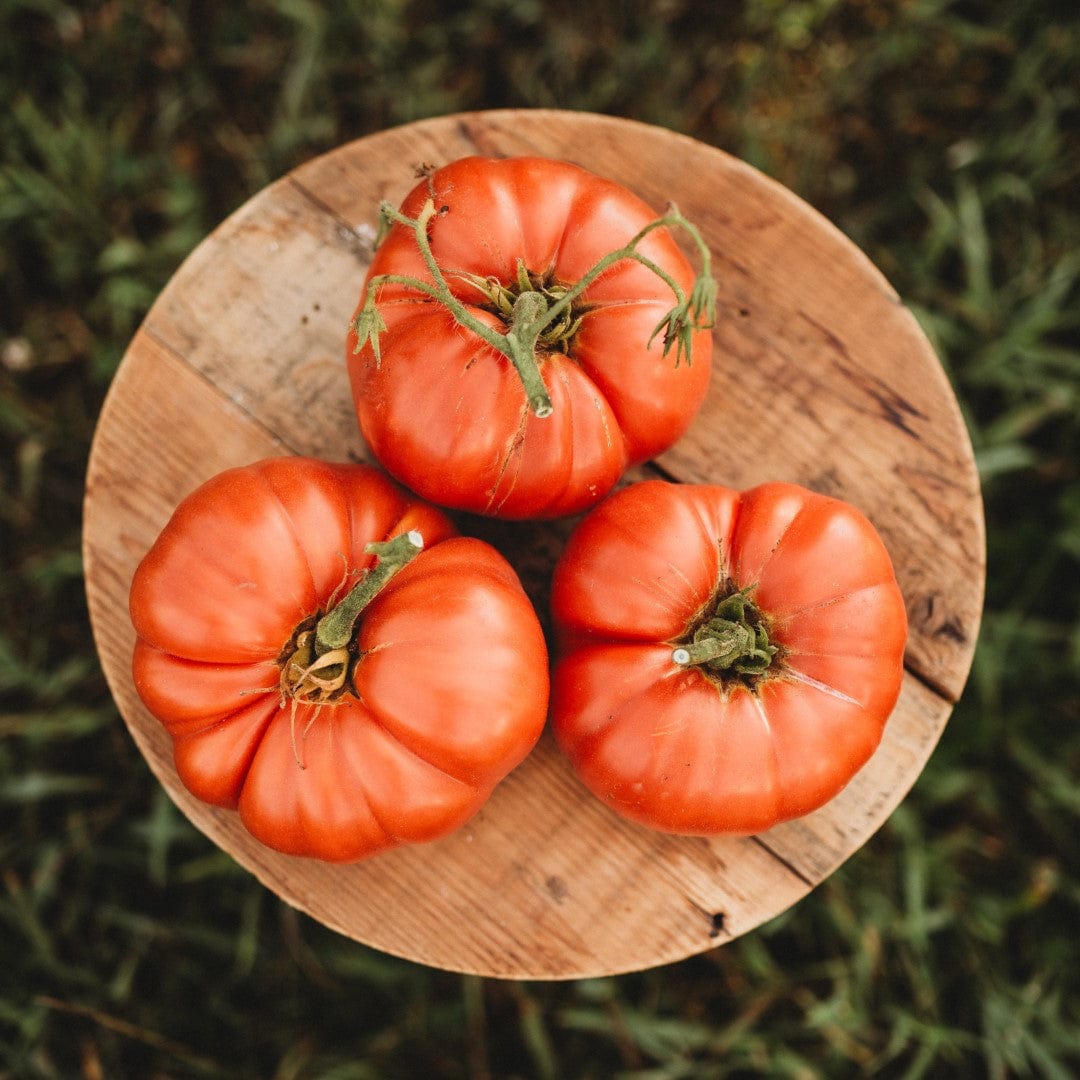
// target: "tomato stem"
[[335, 629], [729, 639], [694, 312], [541, 316], [317, 664], [515, 344]]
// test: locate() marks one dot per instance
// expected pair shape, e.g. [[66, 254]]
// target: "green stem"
[[629, 251], [533, 312], [525, 326], [731, 640], [335, 629], [723, 646], [317, 667], [694, 312], [369, 324]]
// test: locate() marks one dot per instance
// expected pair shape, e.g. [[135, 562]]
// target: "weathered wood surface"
[[821, 377]]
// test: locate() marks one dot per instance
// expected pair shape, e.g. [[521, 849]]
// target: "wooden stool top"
[[821, 376]]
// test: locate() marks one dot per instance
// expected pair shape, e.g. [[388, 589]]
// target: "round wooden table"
[[821, 376]]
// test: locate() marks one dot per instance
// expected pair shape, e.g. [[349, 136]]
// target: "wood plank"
[[261, 307]]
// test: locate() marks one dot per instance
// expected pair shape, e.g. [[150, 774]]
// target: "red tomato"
[[395, 733], [447, 412], [729, 660]]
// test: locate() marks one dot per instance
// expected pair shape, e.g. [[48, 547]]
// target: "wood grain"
[[821, 377]]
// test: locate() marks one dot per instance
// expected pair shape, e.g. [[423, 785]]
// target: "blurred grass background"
[[942, 137]]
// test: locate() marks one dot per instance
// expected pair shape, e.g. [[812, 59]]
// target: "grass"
[[941, 136]]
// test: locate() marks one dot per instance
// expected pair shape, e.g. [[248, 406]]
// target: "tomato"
[[727, 660], [511, 353], [332, 660]]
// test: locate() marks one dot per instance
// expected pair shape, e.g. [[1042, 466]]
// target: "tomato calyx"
[[516, 307], [729, 641], [317, 663], [539, 314]]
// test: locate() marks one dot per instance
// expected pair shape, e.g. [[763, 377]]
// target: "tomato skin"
[[445, 412], [675, 748], [450, 692]]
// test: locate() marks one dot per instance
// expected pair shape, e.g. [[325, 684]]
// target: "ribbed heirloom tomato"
[[332, 660], [526, 331], [728, 660]]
